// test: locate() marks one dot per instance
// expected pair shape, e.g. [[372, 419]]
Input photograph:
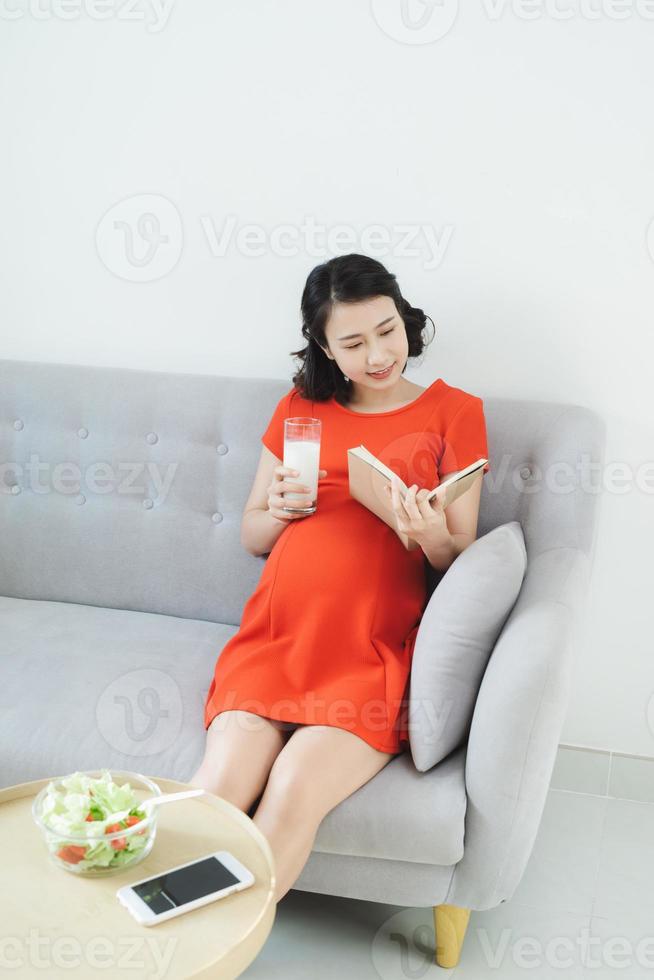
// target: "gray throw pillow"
[[456, 636]]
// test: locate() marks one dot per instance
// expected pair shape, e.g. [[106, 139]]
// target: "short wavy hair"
[[346, 279]]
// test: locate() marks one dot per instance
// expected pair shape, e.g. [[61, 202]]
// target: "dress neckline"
[[392, 411]]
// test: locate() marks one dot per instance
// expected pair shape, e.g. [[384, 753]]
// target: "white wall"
[[525, 147]]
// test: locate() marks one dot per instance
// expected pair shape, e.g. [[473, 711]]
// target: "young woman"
[[309, 698]]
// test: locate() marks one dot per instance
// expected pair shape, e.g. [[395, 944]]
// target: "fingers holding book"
[[416, 516]]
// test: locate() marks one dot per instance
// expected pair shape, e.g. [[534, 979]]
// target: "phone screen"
[[175, 888]]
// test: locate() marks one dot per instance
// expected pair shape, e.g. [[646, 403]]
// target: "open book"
[[369, 476]]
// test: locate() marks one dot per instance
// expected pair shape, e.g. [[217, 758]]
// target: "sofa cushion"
[[83, 687], [402, 815], [456, 636]]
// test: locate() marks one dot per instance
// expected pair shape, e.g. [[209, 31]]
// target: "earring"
[[345, 377]]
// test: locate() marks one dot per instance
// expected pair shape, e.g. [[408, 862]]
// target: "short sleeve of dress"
[[273, 437], [465, 440]]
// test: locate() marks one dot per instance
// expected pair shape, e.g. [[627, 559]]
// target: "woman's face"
[[380, 341]]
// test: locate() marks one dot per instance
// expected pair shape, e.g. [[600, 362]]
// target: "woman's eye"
[[354, 346]]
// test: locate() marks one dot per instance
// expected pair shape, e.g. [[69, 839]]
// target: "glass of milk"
[[302, 453]]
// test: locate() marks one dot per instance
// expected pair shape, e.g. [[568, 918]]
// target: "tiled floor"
[[584, 908]]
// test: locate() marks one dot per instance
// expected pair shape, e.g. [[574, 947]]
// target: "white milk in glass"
[[302, 453]]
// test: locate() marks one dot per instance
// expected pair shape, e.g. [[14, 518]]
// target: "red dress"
[[327, 636]]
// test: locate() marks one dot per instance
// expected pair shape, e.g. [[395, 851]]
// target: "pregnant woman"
[[309, 698]]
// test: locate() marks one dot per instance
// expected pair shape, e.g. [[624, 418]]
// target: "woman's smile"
[[382, 374]]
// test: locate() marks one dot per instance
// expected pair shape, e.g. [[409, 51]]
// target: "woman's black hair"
[[345, 279]]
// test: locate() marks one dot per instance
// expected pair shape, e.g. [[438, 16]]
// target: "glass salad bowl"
[[93, 822]]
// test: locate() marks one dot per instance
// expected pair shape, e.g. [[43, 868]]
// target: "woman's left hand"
[[422, 519]]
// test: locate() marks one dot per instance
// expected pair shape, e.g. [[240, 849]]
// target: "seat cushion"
[[402, 814], [84, 686], [455, 639]]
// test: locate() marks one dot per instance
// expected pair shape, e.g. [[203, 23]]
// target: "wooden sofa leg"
[[450, 924]]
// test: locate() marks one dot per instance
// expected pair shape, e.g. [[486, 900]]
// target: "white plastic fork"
[[169, 797], [153, 801]]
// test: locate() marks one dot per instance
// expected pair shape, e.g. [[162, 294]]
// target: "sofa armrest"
[[515, 729]]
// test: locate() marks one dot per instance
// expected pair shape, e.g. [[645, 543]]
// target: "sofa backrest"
[[125, 488]]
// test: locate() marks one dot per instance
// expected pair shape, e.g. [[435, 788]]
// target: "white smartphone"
[[186, 887]]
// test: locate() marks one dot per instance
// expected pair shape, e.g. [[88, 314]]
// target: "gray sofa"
[[122, 576]]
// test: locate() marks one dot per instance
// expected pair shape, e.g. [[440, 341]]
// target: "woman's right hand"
[[279, 485]]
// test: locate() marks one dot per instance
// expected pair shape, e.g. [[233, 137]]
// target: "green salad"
[[92, 808]]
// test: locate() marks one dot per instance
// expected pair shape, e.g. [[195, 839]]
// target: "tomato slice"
[[72, 853], [119, 844], [132, 819]]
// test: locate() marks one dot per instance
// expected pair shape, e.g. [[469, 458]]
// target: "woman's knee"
[[239, 754], [236, 792], [290, 790], [319, 769]]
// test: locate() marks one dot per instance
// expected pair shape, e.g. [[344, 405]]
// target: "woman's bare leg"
[[240, 750], [319, 766]]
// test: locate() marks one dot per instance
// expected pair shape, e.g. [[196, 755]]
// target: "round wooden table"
[[56, 924]]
